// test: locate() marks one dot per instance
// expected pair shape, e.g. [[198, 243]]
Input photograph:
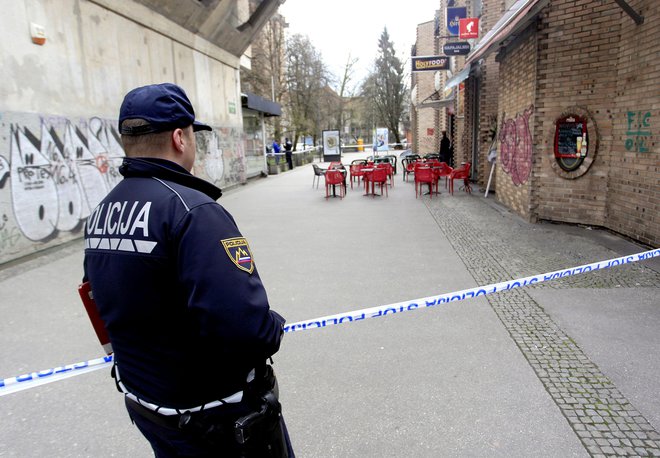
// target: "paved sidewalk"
[[563, 368]]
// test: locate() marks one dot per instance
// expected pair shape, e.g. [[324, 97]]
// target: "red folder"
[[85, 291]]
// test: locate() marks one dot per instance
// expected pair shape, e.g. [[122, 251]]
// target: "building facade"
[[571, 88], [66, 67]]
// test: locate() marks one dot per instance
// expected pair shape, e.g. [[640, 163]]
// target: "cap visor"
[[197, 126]]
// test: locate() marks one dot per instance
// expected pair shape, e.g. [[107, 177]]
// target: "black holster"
[[259, 433]]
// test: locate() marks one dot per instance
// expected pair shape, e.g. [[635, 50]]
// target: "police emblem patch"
[[238, 251]]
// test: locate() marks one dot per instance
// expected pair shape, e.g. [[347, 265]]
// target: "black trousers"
[[171, 441], [289, 160]]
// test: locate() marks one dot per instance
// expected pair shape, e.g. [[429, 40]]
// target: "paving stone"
[[594, 407]]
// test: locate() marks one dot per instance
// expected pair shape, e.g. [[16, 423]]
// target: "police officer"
[[288, 150], [177, 288]]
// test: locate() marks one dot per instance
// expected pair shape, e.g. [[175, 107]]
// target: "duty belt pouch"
[[259, 433]]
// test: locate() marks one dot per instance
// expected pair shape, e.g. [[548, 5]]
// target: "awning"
[[458, 78], [514, 19], [434, 101], [257, 103]]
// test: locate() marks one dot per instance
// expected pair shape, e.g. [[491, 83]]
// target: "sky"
[[339, 27]]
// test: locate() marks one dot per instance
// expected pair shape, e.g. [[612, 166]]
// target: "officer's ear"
[[179, 141]]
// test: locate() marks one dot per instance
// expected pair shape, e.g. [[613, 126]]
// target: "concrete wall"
[[59, 147]]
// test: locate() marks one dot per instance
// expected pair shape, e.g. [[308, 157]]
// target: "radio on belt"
[[85, 291]]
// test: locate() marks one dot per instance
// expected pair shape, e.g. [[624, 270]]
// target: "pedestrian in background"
[[288, 150], [177, 288], [276, 150], [444, 148]]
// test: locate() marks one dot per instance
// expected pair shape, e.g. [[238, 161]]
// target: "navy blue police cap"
[[163, 106]]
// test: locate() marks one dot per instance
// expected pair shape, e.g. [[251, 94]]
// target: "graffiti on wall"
[[638, 131], [516, 146], [54, 171]]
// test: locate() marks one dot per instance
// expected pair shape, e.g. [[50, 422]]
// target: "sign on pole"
[[454, 15], [468, 28], [456, 48], [429, 63]]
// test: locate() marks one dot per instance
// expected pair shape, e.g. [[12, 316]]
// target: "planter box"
[[273, 169]]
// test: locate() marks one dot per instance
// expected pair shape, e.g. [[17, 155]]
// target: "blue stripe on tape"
[[32, 379]]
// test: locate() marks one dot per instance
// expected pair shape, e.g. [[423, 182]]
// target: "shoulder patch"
[[239, 252]]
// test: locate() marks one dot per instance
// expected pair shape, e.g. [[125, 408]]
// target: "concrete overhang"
[[257, 103], [226, 24]]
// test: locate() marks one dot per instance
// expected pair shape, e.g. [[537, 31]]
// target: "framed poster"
[[570, 142], [381, 140], [331, 147]]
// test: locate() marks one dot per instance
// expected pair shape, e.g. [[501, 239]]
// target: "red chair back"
[[461, 172], [379, 175], [424, 174], [333, 177]]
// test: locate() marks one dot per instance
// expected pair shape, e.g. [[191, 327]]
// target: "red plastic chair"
[[379, 177], [408, 167], [423, 175], [356, 171], [443, 170], [389, 169], [461, 173], [334, 178]]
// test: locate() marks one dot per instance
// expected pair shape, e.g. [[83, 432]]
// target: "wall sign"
[[468, 28], [457, 48], [429, 63], [453, 16], [571, 142]]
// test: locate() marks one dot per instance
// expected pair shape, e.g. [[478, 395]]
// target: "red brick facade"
[[584, 58]]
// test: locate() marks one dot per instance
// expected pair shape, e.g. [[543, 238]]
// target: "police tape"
[[33, 379], [431, 301]]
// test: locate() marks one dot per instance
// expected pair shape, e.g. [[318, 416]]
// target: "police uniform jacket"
[[176, 287]]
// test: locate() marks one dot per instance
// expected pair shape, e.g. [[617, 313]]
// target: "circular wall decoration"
[[574, 143]]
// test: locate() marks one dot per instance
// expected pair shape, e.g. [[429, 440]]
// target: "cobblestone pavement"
[[601, 416]]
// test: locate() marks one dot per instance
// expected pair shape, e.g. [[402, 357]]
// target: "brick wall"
[[517, 84], [594, 61], [633, 196], [426, 118], [488, 94], [577, 52]]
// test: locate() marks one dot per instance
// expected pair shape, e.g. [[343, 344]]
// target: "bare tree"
[[306, 81], [266, 76], [346, 92]]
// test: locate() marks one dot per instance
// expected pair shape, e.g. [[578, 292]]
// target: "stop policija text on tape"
[[32, 379]]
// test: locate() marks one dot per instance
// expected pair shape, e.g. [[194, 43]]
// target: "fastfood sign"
[[430, 63]]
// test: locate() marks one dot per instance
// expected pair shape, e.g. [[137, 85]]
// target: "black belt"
[[166, 421]]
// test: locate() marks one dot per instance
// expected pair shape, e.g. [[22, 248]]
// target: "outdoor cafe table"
[[368, 174]]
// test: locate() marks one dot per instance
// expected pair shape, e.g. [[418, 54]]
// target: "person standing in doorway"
[[445, 148]]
